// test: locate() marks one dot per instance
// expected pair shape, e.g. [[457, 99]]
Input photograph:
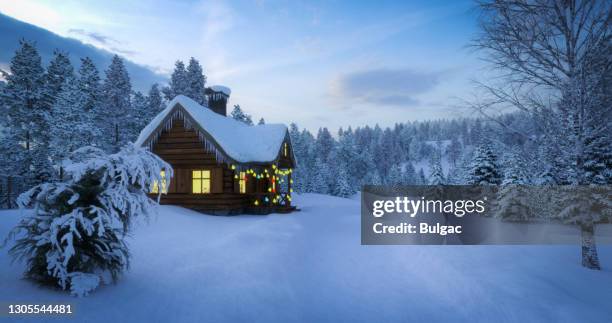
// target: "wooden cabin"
[[221, 166]]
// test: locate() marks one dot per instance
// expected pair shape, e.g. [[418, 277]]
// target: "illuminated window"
[[242, 182], [164, 186], [200, 181], [285, 149]]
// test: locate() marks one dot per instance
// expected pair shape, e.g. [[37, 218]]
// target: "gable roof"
[[230, 140]]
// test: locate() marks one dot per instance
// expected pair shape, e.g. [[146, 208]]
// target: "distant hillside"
[[12, 30]]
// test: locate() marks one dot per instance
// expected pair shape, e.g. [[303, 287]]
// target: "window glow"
[[164, 186], [200, 181], [242, 182]]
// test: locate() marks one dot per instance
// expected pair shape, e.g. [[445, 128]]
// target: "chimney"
[[217, 98]]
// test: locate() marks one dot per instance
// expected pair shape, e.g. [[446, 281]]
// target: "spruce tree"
[[71, 127], [321, 177], [239, 115], [261, 121], [484, 169], [138, 117], [436, 175], [91, 93], [196, 82], [513, 200], [26, 101], [179, 83], [409, 176], [342, 185], [395, 177], [155, 103], [59, 70], [75, 238], [117, 90]]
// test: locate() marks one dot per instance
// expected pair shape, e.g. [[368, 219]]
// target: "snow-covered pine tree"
[[238, 114], [409, 175], [179, 84], [261, 121], [58, 71], [484, 169], [71, 128], [155, 103], [421, 179], [374, 178], [514, 202], [299, 176], [137, 119], [453, 151], [25, 98], [117, 90], [196, 82], [436, 175], [321, 177], [324, 145], [342, 185], [91, 92], [344, 156], [395, 178], [75, 238]]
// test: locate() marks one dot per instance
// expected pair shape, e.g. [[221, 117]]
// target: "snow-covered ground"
[[309, 266]]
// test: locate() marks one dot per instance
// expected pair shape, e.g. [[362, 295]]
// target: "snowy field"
[[309, 266]]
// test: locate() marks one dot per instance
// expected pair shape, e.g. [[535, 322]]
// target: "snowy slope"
[[241, 142], [309, 266]]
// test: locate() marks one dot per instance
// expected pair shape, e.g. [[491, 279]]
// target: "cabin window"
[[285, 150], [164, 186], [200, 181], [242, 182]]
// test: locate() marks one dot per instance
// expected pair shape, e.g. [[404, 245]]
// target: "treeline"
[[48, 112], [442, 152]]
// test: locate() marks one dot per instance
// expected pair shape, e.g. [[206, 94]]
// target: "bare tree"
[[553, 60]]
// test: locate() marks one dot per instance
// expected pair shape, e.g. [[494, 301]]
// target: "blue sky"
[[319, 63]]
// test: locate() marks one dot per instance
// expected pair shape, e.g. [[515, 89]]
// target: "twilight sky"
[[318, 63]]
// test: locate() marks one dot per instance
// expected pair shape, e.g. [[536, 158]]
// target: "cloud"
[[102, 39], [12, 31], [385, 86]]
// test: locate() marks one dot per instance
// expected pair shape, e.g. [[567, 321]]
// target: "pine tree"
[[179, 83], [196, 82], [454, 151], [138, 117], [409, 176], [91, 92], [324, 144], [117, 90], [342, 186], [436, 175], [71, 127], [513, 201], [76, 236], [421, 179], [155, 103], [261, 121], [484, 169], [58, 71], [322, 176], [395, 177], [27, 107], [239, 115]]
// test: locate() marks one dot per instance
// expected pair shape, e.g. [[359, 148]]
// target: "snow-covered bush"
[[75, 237]]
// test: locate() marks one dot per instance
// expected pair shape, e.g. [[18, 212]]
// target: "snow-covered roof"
[[240, 142], [221, 88]]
